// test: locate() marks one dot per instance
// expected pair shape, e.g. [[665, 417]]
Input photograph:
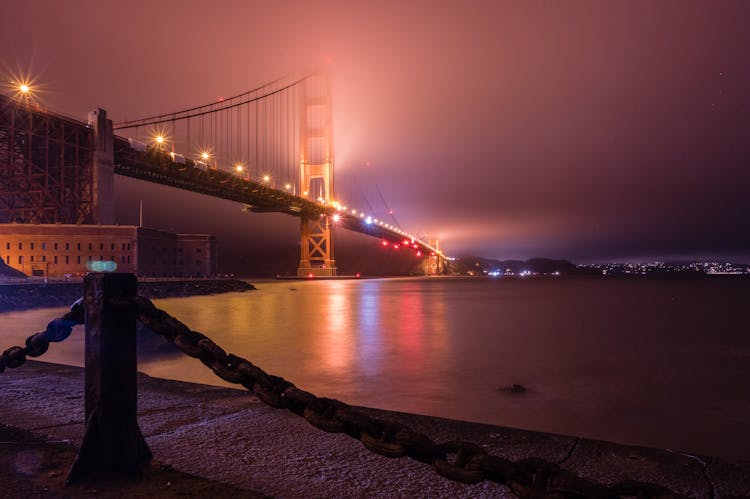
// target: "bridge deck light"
[[266, 178], [336, 217], [24, 88]]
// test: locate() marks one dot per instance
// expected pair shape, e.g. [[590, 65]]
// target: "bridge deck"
[[158, 167]]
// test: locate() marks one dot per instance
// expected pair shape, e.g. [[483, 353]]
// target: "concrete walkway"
[[230, 436]]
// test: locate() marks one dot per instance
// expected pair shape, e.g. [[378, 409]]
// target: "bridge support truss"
[[46, 166], [436, 264], [316, 175]]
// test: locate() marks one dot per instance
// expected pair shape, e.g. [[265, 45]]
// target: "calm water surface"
[[653, 362]]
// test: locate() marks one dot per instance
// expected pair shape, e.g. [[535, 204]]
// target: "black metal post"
[[113, 440]]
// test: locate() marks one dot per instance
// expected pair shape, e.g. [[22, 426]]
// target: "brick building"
[[56, 250]]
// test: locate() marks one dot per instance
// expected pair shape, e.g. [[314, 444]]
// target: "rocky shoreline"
[[26, 296]]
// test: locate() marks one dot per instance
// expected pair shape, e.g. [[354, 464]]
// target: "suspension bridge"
[[269, 148]]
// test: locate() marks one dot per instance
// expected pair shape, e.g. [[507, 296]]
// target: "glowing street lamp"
[[159, 139], [24, 88], [266, 178], [336, 217]]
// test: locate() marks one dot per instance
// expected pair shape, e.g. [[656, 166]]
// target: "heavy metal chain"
[[456, 460], [38, 343]]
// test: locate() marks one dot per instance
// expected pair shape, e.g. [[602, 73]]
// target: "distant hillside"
[[479, 265]]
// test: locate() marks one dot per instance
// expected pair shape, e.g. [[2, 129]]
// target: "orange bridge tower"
[[316, 175]]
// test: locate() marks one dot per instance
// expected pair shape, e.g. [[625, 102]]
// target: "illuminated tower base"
[[316, 257], [435, 262]]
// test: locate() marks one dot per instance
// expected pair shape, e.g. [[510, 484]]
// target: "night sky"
[[591, 131]]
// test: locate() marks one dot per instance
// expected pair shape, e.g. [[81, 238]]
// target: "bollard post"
[[112, 440]]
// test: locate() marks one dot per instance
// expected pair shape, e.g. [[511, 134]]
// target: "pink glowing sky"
[[588, 130]]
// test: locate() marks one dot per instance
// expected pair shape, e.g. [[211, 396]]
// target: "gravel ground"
[[229, 436], [34, 467]]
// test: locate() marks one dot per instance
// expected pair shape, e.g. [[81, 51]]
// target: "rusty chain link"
[[460, 461], [38, 343]]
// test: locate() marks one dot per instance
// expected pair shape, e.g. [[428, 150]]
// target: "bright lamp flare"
[[24, 88], [336, 217]]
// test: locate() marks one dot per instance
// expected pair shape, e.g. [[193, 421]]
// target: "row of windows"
[[125, 246], [123, 259], [179, 250]]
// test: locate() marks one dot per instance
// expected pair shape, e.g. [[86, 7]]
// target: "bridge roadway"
[[158, 167]]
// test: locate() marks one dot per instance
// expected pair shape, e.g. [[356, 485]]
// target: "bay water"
[[655, 362]]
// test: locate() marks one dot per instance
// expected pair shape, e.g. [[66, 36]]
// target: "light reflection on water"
[[658, 363]]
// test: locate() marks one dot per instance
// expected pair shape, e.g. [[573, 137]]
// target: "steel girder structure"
[[46, 166], [157, 166]]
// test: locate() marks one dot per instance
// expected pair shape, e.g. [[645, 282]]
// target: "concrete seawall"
[[57, 294], [231, 437]]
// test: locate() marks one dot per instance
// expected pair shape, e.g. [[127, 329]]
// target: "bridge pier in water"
[[316, 257]]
